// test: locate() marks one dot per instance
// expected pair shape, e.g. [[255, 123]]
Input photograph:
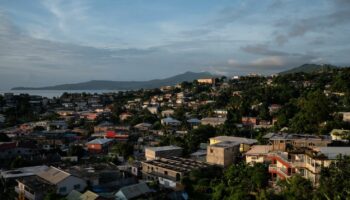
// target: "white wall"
[[69, 183]]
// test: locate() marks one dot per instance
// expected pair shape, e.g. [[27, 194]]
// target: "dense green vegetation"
[[251, 182]]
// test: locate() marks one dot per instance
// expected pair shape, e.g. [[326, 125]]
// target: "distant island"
[[124, 85], [156, 83]]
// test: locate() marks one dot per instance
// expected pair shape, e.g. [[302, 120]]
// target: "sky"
[[49, 42]]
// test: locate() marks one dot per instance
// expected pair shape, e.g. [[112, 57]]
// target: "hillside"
[[123, 85], [308, 68]]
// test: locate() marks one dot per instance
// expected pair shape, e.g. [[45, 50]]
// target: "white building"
[[257, 154]]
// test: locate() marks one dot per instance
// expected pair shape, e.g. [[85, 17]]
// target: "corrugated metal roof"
[[136, 190], [100, 141], [53, 175]]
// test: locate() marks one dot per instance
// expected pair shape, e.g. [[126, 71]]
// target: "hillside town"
[[240, 137]]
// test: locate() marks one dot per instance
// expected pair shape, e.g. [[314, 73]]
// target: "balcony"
[[27, 194], [281, 171], [299, 164], [282, 158], [313, 169]]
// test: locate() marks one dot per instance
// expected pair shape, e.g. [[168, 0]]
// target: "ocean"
[[55, 93]]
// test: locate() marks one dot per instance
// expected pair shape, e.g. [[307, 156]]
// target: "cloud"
[[262, 49], [36, 62], [271, 61], [224, 17], [338, 15], [66, 12]]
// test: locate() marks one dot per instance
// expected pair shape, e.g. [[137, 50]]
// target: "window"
[[77, 186], [211, 150], [63, 189]]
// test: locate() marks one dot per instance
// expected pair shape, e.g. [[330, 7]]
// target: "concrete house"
[[257, 154], [306, 162], [152, 153], [213, 121], [51, 179], [169, 171], [167, 113], [170, 122], [245, 143], [99, 145], [63, 181], [223, 153], [281, 141]]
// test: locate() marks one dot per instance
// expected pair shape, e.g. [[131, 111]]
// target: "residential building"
[[13, 149], [167, 113], [169, 171], [63, 181], [153, 109], [103, 127], [11, 175], [340, 134], [346, 116], [101, 174], [206, 80], [257, 154], [51, 179], [88, 195], [223, 153], [170, 122], [284, 141], [200, 155], [306, 162], [249, 121], [245, 143], [152, 153], [32, 188], [274, 108], [194, 122], [133, 191], [220, 113], [143, 126], [125, 116], [213, 121], [99, 145]]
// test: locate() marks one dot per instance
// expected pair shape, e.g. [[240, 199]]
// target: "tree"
[[296, 188], [335, 180], [53, 196], [242, 182], [76, 150], [196, 136], [314, 109], [17, 162], [123, 149], [4, 138]]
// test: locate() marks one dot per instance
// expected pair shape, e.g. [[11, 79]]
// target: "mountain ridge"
[[308, 68], [124, 85]]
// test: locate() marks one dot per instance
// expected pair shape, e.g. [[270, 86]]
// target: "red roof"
[[113, 134]]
